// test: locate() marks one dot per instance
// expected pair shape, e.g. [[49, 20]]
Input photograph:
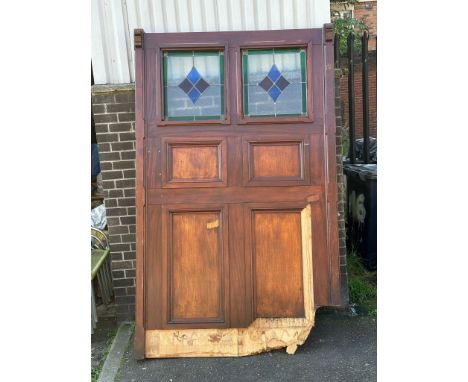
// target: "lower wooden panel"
[[196, 271], [262, 335], [276, 244]]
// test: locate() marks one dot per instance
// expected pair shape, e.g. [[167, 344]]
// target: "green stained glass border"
[[245, 82], [191, 53]]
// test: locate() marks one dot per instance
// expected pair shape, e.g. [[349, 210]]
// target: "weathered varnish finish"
[[262, 335], [226, 209]]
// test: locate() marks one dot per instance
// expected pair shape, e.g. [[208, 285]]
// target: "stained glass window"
[[193, 85], [274, 82]]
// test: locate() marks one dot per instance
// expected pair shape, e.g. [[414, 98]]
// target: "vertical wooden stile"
[[139, 344]]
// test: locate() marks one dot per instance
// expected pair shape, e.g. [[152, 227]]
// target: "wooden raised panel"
[[275, 162], [195, 261], [281, 160], [194, 163], [277, 257]]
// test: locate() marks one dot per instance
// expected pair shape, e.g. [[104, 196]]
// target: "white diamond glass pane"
[[180, 105], [290, 101], [289, 64], [177, 69], [260, 103], [209, 102], [259, 65], [208, 67]]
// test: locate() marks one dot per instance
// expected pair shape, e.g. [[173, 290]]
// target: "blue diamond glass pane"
[[274, 92], [282, 83], [266, 84], [202, 85], [186, 86], [194, 94], [193, 75], [274, 73]]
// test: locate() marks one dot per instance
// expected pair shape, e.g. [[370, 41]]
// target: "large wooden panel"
[[194, 163], [278, 263], [196, 267]]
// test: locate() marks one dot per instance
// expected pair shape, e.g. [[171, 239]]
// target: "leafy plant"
[[345, 26], [362, 285]]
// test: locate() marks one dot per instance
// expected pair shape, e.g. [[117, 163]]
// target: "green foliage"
[[344, 141], [362, 285], [95, 374], [345, 26], [360, 291]]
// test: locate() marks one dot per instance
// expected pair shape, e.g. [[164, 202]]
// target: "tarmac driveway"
[[340, 348]]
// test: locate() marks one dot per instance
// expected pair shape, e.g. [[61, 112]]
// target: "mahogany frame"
[[148, 109]]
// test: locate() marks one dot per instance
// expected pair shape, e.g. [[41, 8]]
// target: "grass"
[[95, 371], [362, 286]]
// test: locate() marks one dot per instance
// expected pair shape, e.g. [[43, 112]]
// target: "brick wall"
[[367, 12], [341, 190], [372, 69], [114, 117]]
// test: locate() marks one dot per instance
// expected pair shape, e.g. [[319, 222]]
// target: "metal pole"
[[352, 151], [365, 95]]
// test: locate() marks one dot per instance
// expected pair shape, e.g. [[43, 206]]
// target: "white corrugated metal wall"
[[113, 22]]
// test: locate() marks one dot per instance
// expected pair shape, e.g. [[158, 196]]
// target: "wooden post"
[[139, 345]]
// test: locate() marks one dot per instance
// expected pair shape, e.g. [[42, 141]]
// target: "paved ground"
[[103, 334], [339, 348]]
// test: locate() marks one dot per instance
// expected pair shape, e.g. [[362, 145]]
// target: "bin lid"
[[365, 171]]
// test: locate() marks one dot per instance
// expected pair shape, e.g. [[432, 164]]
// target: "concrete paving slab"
[[340, 348]]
